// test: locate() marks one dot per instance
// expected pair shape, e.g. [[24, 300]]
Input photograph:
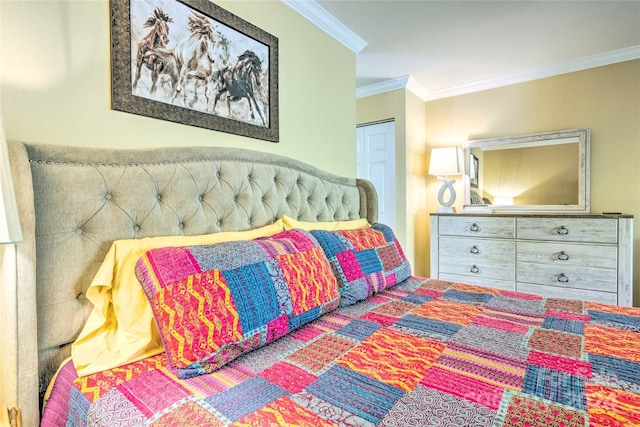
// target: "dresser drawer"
[[475, 249], [569, 276], [592, 230], [567, 254], [471, 226], [479, 269]]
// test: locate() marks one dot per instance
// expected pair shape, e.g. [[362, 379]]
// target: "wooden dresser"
[[588, 257]]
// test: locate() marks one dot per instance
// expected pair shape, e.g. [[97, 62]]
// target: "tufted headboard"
[[74, 202]]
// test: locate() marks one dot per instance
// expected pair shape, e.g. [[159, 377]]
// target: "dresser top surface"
[[533, 215]]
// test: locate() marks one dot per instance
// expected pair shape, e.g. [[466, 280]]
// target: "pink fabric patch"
[[153, 392], [350, 266], [464, 387], [306, 333], [390, 279], [378, 299], [277, 328], [383, 319], [559, 363], [172, 264], [288, 376], [503, 325], [429, 292]]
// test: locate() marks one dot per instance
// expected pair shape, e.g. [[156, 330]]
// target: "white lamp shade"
[[10, 231], [446, 161]]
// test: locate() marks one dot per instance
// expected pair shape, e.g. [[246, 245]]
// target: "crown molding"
[[579, 64], [382, 87], [328, 23]]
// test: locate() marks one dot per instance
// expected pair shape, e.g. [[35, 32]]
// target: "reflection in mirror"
[[531, 173]]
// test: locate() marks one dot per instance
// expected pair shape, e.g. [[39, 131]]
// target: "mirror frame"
[[584, 139]]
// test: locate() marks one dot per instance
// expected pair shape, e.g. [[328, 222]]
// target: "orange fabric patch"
[[393, 357], [311, 282], [612, 342], [365, 238], [436, 284], [448, 311], [612, 407], [95, 385], [475, 289], [282, 412], [317, 355], [615, 309]]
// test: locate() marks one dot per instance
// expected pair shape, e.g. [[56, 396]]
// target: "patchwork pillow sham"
[[213, 303], [364, 261], [121, 328]]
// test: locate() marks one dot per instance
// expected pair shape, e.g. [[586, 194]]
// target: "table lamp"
[[444, 162]]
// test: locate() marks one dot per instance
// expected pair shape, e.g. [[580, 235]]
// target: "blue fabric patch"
[[245, 398], [306, 317], [227, 255], [78, 408], [386, 231], [433, 326], [556, 386], [610, 366], [330, 243], [354, 392], [369, 261], [467, 297], [564, 325], [358, 329], [253, 294], [416, 298], [615, 320]]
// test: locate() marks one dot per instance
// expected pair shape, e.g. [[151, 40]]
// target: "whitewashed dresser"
[[588, 257]]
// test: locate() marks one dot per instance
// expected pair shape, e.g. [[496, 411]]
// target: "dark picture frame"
[[474, 166], [163, 67]]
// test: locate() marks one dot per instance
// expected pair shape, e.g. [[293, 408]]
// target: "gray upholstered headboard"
[[75, 201]]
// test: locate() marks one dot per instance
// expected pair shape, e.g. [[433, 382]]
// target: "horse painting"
[[157, 38], [196, 56], [161, 62], [241, 81]]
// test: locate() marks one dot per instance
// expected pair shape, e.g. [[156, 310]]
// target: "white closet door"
[[376, 156]]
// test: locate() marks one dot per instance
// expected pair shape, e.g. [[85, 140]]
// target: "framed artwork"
[[473, 170], [193, 62]]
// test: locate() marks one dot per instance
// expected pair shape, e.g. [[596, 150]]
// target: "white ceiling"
[[448, 47]]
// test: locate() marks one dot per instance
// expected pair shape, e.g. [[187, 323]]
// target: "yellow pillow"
[[121, 328], [290, 223]]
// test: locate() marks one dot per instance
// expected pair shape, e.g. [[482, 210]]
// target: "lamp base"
[[446, 209]]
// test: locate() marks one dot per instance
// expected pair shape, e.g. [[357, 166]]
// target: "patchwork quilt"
[[422, 353]]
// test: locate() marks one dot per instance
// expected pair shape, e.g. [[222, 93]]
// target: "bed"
[[361, 343]]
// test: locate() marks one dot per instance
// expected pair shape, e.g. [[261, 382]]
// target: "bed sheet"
[[424, 353]]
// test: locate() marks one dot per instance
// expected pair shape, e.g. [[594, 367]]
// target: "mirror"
[[545, 172]]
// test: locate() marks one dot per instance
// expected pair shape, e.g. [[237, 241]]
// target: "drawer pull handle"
[[563, 278], [474, 250], [563, 231], [475, 269], [562, 256], [474, 227]]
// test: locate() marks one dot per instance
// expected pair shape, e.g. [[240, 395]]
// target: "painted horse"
[[196, 56], [157, 38], [241, 81]]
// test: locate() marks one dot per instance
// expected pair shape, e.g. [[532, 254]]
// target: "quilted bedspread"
[[423, 353]]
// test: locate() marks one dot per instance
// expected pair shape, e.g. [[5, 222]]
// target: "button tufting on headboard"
[[74, 202]]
